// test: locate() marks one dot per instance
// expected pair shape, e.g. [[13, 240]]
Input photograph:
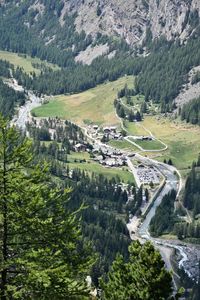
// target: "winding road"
[[23, 112]]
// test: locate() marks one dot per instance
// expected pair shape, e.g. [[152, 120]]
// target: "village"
[[104, 134], [93, 142]]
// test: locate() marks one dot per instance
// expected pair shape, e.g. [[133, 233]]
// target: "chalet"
[[80, 147], [106, 129]]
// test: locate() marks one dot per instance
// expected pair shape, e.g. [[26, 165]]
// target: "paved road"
[[171, 183], [24, 111]]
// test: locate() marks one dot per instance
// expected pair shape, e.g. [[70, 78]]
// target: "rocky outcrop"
[[130, 19]]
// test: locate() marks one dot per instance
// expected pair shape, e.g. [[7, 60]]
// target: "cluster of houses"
[[148, 174], [80, 147], [109, 157], [107, 133]]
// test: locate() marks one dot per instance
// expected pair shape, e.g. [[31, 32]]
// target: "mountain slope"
[[68, 32], [129, 20]]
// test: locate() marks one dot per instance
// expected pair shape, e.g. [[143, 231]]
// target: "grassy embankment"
[[26, 62]]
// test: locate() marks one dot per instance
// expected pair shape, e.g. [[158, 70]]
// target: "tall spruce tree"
[[143, 277], [41, 251]]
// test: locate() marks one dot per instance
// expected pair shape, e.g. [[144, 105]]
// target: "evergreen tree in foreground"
[[143, 277], [41, 251]]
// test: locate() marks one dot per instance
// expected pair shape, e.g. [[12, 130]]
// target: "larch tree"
[[42, 255]]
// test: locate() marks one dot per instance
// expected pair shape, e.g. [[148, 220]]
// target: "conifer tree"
[[41, 250], [143, 277]]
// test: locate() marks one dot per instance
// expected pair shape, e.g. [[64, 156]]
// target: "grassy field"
[[93, 167], [25, 62], [122, 145], [135, 128], [149, 145], [183, 140], [92, 106]]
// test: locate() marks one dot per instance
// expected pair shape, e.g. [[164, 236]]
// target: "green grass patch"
[[92, 106], [149, 145], [183, 140], [122, 145], [78, 156], [25, 62], [93, 167], [76, 161], [135, 128]]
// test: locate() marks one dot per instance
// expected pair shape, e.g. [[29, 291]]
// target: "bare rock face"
[[130, 19]]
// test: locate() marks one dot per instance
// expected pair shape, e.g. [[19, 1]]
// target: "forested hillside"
[[190, 112], [191, 201]]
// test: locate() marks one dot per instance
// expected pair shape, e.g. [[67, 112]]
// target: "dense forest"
[[191, 200], [190, 112], [80, 77], [73, 77], [164, 219]]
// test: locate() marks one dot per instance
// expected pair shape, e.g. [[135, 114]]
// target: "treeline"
[[16, 37], [25, 29], [164, 218], [191, 198], [185, 230], [161, 74], [5, 68], [79, 77], [190, 112]]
